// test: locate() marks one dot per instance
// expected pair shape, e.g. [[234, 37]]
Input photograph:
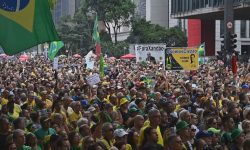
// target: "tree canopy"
[[114, 13], [145, 32]]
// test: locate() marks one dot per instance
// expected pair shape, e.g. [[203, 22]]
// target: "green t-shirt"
[[24, 148], [43, 135]]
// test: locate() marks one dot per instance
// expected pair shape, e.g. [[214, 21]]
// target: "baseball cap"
[[203, 134], [120, 133], [245, 86]]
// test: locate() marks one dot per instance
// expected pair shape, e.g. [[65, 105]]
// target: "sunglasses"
[[193, 130]]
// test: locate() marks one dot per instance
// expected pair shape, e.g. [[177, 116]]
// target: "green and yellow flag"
[[54, 48], [102, 63], [96, 37], [201, 51], [24, 24]]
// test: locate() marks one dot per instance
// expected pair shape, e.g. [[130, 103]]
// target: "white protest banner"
[[93, 79], [155, 50], [55, 64]]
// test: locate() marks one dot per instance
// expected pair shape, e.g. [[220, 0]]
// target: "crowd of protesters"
[[136, 106]]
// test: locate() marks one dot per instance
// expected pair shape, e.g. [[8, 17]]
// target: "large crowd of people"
[[135, 106]]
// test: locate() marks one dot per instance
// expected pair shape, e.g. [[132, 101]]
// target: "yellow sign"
[[182, 59]]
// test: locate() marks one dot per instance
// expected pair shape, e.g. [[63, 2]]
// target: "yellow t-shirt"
[[73, 117], [141, 137], [128, 147], [107, 144], [48, 103], [4, 101], [17, 110], [32, 104]]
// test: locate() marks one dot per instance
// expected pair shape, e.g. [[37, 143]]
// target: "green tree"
[[76, 32], [116, 50], [52, 3], [146, 32], [114, 13]]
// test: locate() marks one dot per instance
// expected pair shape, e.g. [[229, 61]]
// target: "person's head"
[[133, 137], [211, 123], [150, 135], [164, 117], [194, 119], [149, 54], [228, 123], [154, 116], [87, 141], [120, 135], [45, 122], [4, 124], [76, 106], [84, 130], [246, 113], [234, 112], [174, 142], [57, 118], [200, 144], [246, 144], [19, 123], [120, 145], [10, 145], [206, 136], [74, 138], [18, 137], [237, 136], [183, 129], [31, 140], [124, 103], [215, 136], [108, 131], [185, 116], [246, 126], [63, 144]]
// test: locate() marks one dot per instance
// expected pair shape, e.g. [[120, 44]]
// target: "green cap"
[[181, 125], [214, 130], [235, 134], [132, 110]]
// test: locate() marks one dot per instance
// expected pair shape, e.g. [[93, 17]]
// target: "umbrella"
[[24, 56], [3, 56], [112, 58], [128, 56], [77, 56]]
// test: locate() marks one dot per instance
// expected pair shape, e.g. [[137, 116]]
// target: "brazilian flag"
[[24, 24]]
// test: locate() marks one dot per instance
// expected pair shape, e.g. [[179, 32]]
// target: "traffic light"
[[233, 41]]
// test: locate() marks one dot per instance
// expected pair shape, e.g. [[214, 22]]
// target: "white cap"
[[120, 133], [91, 109]]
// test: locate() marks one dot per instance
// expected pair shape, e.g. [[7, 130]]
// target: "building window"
[[243, 28]]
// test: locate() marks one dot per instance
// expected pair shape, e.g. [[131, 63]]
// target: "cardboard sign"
[[181, 59], [157, 51], [93, 79], [55, 63]]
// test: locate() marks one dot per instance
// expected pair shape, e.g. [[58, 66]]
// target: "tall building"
[[204, 23], [64, 8], [155, 11]]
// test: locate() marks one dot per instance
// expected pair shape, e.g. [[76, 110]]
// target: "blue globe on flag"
[[13, 5]]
